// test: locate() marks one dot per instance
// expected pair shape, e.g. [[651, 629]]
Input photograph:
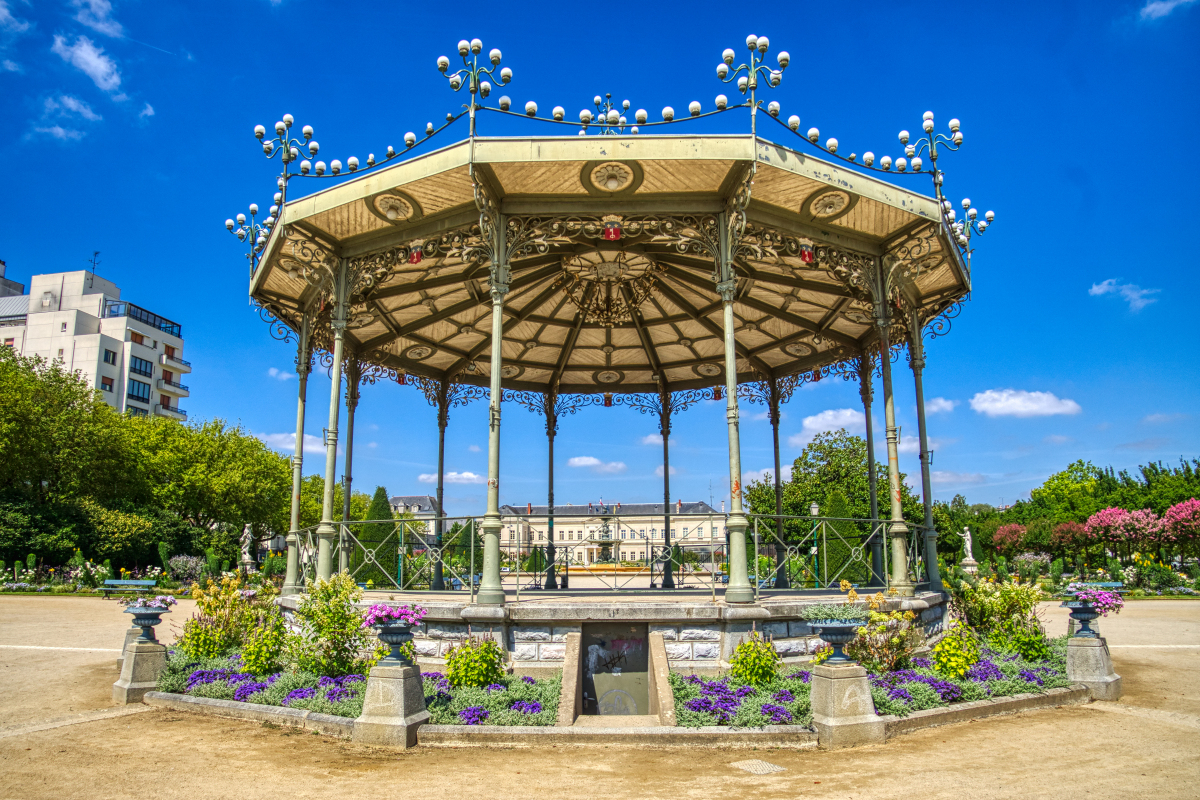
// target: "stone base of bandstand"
[[143, 662], [393, 708], [1089, 663], [843, 711]]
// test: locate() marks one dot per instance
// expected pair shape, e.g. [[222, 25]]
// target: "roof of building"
[[608, 509], [14, 305], [424, 504]]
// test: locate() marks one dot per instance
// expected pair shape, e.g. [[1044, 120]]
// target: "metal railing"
[[814, 553]]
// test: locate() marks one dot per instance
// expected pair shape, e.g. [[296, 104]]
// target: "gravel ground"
[[1145, 746]]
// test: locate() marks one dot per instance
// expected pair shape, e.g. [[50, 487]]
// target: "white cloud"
[[1019, 403], [1157, 419], [453, 477], [767, 474], [909, 444], [955, 478], [279, 374], [10, 66], [148, 111], [96, 14], [596, 465], [286, 442], [1137, 297], [90, 60], [61, 133], [1157, 9], [829, 420], [65, 105], [372, 445], [474, 448], [659, 470], [654, 438], [1056, 438], [10, 23], [936, 405]]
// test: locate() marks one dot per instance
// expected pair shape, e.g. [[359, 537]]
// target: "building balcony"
[[118, 308], [172, 388], [175, 363], [171, 412]]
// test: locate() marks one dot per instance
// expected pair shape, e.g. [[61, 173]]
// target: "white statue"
[[969, 564], [247, 541]]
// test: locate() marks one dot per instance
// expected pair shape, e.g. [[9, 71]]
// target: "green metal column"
[[292, 582], [490, 589], [898, 529], [326, 532], [916, 359], [865, 392], [353, 379]]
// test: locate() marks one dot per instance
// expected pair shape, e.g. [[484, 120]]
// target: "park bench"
[[1115, 586], [122, 587]]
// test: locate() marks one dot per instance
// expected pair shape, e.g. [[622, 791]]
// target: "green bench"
[[1114, 586], [123, 587]]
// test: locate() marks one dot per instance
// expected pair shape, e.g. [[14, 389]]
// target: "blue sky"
[[126, 127]]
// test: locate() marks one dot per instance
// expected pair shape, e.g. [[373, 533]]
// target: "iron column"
[[865, 391], [551, 582], [443, 414], [898, 528], [664, 427], [916, 359], [326, 531], [292, 583], [490, 589]]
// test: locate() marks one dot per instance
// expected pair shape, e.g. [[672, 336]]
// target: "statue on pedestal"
[[247, 541], [968, 564]]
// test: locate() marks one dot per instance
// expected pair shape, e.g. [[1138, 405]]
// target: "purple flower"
[[804, 676], [723, 708], [326, 682], [474, 715], [298, 694], [778, 714], [338, 693], [784, 696], [431, 675], [693, 679], [495, 687], [527, 707], [240, 677], [744, 691], [529, 680], [899, 693], [205, 676], [1031, 677], [985, 671], [922, 663], [243, 692]]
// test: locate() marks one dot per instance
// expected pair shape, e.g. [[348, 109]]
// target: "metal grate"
[[757, 766]]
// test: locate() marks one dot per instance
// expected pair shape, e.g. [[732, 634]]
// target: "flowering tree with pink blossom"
[[1182, 520], [1007, 538]]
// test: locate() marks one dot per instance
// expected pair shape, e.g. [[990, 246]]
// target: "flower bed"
[[225, 678], [508, 701], [786, 700]]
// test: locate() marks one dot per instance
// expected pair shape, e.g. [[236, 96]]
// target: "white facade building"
[[133, 356]]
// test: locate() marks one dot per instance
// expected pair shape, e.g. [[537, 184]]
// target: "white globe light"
[[901, 164], [280, 128], [722, 102], [253, 209], [505, 103], [904, 137], [313, 147], [910, 151], [476, 46], [868, 158], [722, 71], [957, 137], [305, 166], [597, 100], [622, 121], [293, 153], [886, 162], [962, 240], [927, 126], [972, 213], [429, 129], [813, 135], [727, 56], [531, 109], [794, 122], [668, 113], [966, 203], [288, 119], [990, 216], [278, 197], [982, 227], [624, 105], [641, 115], [307, 131], [585, 117], [752, 42], [613, 116], [831, 145], [391, 151], [229, 224], [505, 75], [320, 167], [926, 116], [259, 131], [558, 113], [464, 47], [773, 108], [954, 125], [268, 147], [694, 108], [241, 219], [742, 83], [485, 89], [410, 139], [784, 59], [916, 164], [776, 77], [494, 56], [634, 130], [763, 44], [455, 82], [335, 166], [950, 215], [443, 63]]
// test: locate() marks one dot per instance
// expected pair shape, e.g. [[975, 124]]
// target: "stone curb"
[[254, 712], [961, 712], [790, 736]]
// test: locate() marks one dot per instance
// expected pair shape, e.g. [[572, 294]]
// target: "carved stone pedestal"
[[1089, 663], [843, 712], [144, 662], [393, 708]]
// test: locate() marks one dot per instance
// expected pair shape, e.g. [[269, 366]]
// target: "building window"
[[134, 411], [164, 401], [110, 357], [106, 384], [141, 366], [137, 338], [63, 329], [139, 391], [60, 353], [10, 342]]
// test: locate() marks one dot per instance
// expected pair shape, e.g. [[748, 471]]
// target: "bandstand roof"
[[586, 314]]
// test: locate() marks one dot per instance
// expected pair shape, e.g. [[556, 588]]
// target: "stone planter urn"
[[146, 619], [1083, 613], [394, 634], [837, 633]]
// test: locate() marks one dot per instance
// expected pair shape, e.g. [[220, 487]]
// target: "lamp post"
[[252, 231], [747, 74], [474, 75]]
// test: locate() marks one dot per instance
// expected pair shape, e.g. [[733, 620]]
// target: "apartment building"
[[612, 531], [132, 355], [8, 288]]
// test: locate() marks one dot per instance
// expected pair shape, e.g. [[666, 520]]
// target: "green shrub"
[[1022, 636], [31, 562], [957, 652], [887, 641], [164, 555], [18, 568], [332, 640], [213, 563], [1056, 570], [755, 661], [477, 662], [224, 566], [263, 650]]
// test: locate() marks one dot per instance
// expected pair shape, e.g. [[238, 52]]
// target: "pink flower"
[[1182, 520], [1007, 538]]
